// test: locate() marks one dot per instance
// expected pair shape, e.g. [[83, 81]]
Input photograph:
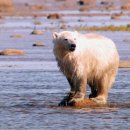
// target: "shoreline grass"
[[104, 28]]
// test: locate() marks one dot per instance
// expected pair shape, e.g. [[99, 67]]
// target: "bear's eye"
[[65, 39], [74, 38]]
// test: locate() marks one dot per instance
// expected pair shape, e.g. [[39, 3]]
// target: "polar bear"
[[86, 59]]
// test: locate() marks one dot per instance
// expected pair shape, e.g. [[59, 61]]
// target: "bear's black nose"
[[72, 47]]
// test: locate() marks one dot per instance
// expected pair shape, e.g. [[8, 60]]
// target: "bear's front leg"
[[94, 91], [103, 87], [70, 94], [67, 99], [80, 91]]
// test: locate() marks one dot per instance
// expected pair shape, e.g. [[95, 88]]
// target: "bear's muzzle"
[[72, 47]]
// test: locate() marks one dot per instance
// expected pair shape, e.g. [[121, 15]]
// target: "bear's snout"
[[72, 47]]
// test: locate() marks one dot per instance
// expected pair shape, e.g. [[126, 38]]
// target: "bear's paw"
[[99, 100]]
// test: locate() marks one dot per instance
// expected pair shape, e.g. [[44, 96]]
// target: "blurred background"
[[114, 9], [85, 13], [31, 85], [22, 6]]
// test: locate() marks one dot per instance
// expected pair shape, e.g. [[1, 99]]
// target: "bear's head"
[[66, 40]]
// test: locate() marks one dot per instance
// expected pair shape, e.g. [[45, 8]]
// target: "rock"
[[16, 36], [84, 8], [62, 21], [12, 52], [37, 32], [110, 8], [36, 7], [39, 44], [63, 26], [54, 16], [127, 40], [27, 4], [80, 20], [104, 3], [37, 22], [124, 64], [81, 2], [1, 17], [86, 5], [6, 5], [88, 103], [108, 5], [87, 2], [115, 16], [126, 6]]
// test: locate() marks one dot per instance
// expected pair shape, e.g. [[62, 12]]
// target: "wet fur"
[[94, 62]]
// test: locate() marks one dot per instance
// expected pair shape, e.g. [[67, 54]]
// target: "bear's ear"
[[55, 35]]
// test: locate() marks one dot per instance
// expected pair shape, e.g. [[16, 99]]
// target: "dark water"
[[31, 87]]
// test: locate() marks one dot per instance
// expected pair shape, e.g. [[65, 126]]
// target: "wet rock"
[[27, 4], [115, 16], [63, 26], [54, 16], [127, 40], [1, 17], [37, 22], [80, 20], [108, 5], [84, 9], [36, 7], [81, 2], [126, 6], [16, 36], [88, 103], [124, 64], [85, 103], [104, 3], [86, 2], [62, 21], [110, 8], [39, 44], [6, 5], [12, 52], [37, 32]]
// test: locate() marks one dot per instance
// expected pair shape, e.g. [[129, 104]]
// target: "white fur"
[[94, 54]]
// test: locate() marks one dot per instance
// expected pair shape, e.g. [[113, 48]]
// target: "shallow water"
[[81, 20], [31, 87], [29, 98]]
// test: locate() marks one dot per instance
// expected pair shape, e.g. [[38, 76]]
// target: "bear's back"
[[95, 42], [94, 36], [100, 47]]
